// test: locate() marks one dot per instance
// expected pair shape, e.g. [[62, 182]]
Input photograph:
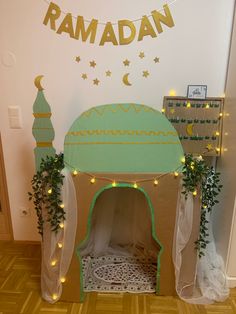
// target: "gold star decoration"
[[84, 76], [77, 59], [209, 146], [141, 55], [92, 64], [126, 62], [108, 73], [156, 60], [145, 74], [96, 81]]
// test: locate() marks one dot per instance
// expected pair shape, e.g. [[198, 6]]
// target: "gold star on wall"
[[141, 55], [92, 64], [108, 73], [209, 146], [145, 74], [77, 59], [156, 60], [84, 76], [96, 81], [126, 62]]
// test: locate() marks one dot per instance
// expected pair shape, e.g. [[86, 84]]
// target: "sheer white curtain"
[[121, 224], [210, 280], [51, 275]]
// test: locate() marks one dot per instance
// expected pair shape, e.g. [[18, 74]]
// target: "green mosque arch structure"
[[122, 138]]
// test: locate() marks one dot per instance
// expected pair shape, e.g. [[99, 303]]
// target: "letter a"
[[108, 35], [146, 29]]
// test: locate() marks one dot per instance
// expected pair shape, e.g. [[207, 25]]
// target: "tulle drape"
[[210, 280], [111, 233]]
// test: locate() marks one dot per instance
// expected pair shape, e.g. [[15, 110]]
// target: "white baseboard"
[[231, 282]]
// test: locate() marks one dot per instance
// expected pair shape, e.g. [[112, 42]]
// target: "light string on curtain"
[[112, 23]]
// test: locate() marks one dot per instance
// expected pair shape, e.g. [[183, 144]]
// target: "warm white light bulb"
[[62, 205], [155, 182], [207, 106], [53, 262], [50, 191], [194, 193], [54, 296], [114, 184], [135, 185], [188, 105], [183, 160], [93, 180], [75, 172], [176, 174], [217, 133], [60, 245], [172, 92], [63, 279], [163, 110], [61, 225]]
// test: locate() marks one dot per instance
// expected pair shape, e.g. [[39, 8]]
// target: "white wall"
[[224, 215], [195, 51]]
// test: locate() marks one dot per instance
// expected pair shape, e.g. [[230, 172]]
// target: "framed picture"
[[197, 91]]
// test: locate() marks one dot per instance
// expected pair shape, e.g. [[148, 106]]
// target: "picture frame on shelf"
[[197, 91]]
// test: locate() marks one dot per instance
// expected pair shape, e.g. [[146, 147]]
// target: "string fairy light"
[[60, 245], [53, 263], [155, 182], [61, 225], [115, 183]]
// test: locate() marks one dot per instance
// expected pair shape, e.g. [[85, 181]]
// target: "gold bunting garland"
[[63, 22]]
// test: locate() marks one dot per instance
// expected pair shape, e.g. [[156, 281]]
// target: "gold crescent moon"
[[189, 129], [37, 82], [126, 80]]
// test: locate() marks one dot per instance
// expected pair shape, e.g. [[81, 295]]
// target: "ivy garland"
[[197, 175], [46, 186], [47, 183]]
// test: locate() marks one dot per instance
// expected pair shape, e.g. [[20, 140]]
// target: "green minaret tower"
[[43, 131]]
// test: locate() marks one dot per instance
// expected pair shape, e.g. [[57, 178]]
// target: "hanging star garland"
[[126, 62], [92, 64], [96, 81], [78, 59], [141, 55], [145, 74], [108, 73]]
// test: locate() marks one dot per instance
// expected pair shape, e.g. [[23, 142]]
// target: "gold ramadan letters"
[[126, 28]]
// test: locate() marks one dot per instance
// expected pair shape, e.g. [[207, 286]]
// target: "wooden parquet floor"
[[20, 292]]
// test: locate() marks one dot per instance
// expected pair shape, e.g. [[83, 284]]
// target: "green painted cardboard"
[[124, 138]]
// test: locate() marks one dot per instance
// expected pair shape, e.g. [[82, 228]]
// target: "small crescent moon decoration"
[[37, 82], [189, 129], [126, 80]]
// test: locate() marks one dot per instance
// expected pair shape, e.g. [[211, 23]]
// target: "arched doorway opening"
[[121, 251]]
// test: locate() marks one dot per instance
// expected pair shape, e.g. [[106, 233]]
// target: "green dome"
[[123, 138]]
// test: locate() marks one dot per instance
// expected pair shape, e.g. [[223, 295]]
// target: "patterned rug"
[[119, 273]]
